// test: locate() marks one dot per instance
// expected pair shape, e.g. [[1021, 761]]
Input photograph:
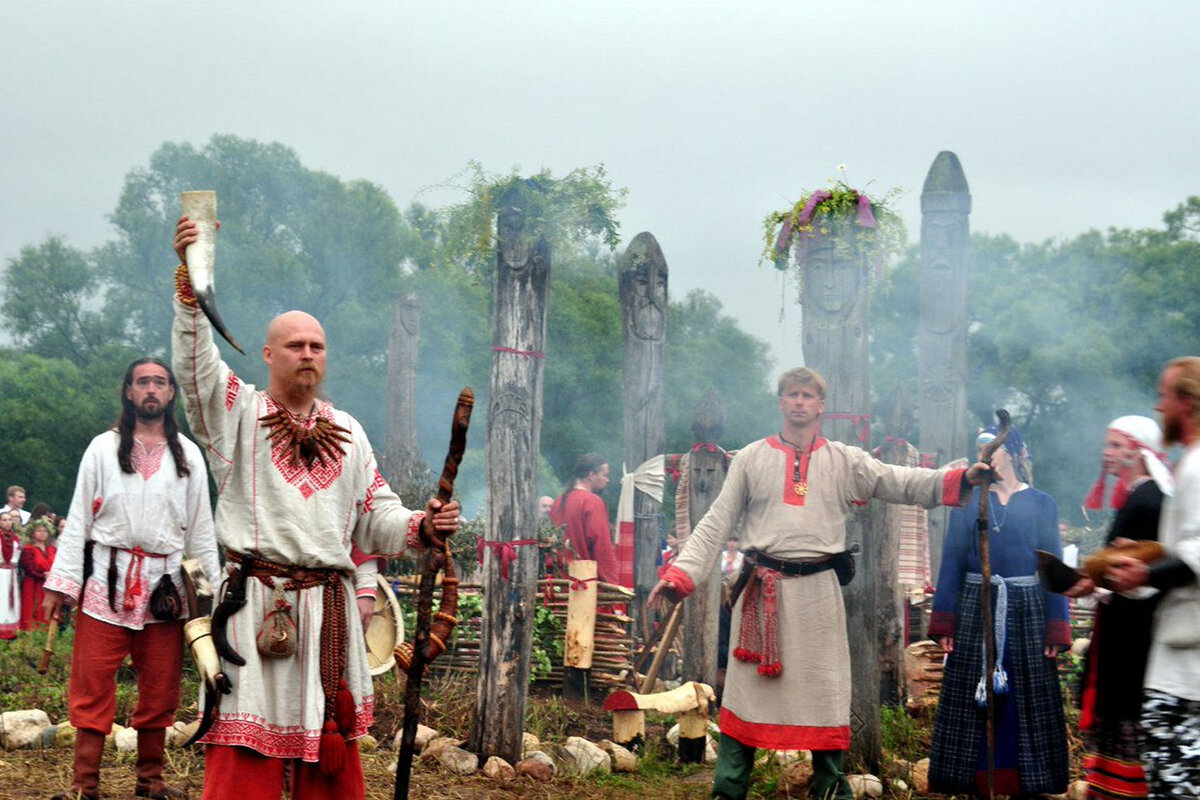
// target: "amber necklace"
[[799, 464], [311, 438]]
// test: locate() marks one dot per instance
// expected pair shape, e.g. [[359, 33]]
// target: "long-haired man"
[[141, 500]]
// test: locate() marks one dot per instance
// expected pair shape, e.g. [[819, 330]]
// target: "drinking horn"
[[201, 208]]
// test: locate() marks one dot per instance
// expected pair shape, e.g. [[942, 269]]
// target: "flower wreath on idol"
[[788, 234]]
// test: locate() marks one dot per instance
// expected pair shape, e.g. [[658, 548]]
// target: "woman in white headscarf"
[[1111, 700]]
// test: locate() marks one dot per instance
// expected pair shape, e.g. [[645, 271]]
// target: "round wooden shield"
[[386, 629]]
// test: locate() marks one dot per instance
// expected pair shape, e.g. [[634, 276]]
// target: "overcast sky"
[[1066, 115]]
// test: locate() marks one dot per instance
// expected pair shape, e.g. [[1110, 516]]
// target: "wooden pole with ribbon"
[[985, 597], [432, 629]]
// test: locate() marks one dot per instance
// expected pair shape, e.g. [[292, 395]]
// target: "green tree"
[[51, 303], [49, 410], [291, 237], [707, 351], [297, 238], [1066, 335]]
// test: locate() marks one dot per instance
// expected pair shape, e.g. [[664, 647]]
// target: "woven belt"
[[339, 704], [297, 577]]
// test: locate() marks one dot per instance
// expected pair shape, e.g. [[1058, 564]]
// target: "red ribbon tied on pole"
[[505, 551], [579, 584]]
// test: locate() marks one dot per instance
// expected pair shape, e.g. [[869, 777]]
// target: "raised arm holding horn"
[[299, 485]]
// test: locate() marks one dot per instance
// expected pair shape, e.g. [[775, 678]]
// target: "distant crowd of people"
[[27, 550]]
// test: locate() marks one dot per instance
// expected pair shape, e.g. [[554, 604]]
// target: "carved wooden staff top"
[[433, 630]]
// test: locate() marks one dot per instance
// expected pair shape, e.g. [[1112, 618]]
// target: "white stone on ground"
[[22, 728]]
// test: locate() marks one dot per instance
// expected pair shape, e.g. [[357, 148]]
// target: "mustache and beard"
[[1172, 431], [150, 410]]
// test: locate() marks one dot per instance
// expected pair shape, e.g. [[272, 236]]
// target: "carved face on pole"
[[410, 313], [943, 243], [831, 282], [514, 241], [703, 473], [649, 286]]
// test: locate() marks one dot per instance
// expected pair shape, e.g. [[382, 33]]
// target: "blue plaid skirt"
[[1031, 729]]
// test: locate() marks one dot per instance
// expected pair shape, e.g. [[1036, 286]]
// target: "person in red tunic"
[[36, 559], [582, 510]]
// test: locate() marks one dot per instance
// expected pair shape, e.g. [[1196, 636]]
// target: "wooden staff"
[[985, 597], [48, 650], [666, 630], [429, 639]]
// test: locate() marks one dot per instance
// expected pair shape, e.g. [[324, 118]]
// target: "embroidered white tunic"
[[807, 706], [10, 592], [152, 510], [289, 513]]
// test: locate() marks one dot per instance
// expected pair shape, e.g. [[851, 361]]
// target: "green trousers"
[[736, 760]]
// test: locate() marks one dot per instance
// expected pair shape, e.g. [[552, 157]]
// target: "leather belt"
[[754, 558]]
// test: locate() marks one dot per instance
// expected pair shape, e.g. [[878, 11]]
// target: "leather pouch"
[[843, 565], [165, 604], [277, 637]]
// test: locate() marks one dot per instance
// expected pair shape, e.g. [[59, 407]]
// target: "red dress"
[[35, 564], [588, 533]]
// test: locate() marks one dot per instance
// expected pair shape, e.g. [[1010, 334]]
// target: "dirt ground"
[[41, 773]]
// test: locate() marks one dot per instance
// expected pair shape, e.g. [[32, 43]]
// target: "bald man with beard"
[[298, 486]]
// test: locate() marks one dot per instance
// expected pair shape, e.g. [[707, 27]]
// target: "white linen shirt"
[[1173, 670], [162, 514]]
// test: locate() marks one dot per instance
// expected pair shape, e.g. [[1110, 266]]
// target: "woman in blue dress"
[[1031, 629]]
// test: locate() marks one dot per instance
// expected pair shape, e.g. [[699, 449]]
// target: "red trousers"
[[244, 774], [100, 647]]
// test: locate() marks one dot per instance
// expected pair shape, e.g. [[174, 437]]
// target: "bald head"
[[288, 321], [295, 358]]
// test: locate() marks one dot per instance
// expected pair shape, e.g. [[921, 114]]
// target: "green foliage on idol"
[[568, 211], [838, 207]]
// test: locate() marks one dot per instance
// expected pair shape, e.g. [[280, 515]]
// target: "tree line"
[[293, 237], [1066, 334]]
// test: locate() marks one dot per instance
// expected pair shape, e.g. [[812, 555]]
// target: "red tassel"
[[343, 710], [332, 756], [1095, 498], [772, 670], [1120, 491], [742, 654]]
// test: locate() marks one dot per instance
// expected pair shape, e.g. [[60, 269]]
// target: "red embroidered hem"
[[277, 742], [413, 537], [1114, 778], [784, 737], [1008, 781]]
